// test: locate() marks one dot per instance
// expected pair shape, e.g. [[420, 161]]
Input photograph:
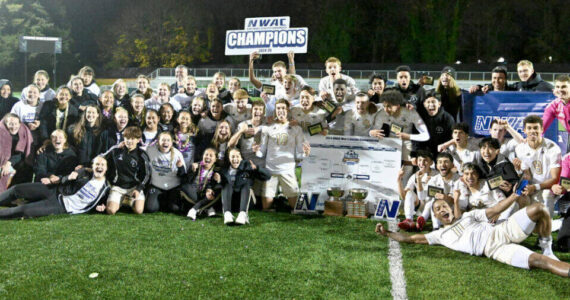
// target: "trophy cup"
[[333, 206], [357, 208]]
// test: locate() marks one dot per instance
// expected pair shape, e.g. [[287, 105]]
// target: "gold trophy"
[[334, 206], [357, 208]]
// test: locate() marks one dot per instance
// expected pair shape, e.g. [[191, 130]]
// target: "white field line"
[[396, 268]]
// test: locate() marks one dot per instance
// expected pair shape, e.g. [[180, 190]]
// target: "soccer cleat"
[[192, 214], [228, 218], [420, 223], [211, 212], [407, 225], [242, 218]]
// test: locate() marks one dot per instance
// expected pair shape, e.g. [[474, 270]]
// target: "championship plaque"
[[495, 181], [329, 106], [395, 128], [315, 129], [357, 209], [433, 190], [269, 89]]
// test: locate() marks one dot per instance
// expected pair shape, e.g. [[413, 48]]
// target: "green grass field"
[[278, 256]]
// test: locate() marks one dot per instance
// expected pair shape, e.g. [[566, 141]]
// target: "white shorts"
[[118, 194], [288, 183], [502, 244], [545, 197]]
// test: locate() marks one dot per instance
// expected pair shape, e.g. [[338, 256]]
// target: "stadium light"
[[501, 60]]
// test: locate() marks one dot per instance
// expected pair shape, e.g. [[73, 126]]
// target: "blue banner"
[[481, 109]]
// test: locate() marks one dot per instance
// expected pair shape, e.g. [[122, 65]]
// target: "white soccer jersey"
[[336, 126], [231, 109], [163, 167], [508, 148], [27, 113], [282, 145], [466, 155], [154, 103], [411, 185], [406, 120], [280, 91], [439, 182], [540, 160], [314, 116], [357, 124], [484, 197], [326, 84], [468, 234]]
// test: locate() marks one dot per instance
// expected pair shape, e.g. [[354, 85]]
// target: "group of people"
[[191, 150]]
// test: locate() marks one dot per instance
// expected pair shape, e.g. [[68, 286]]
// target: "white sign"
[[270, 35], [351, 162]]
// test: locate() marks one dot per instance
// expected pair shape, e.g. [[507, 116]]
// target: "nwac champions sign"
[[270, 35]]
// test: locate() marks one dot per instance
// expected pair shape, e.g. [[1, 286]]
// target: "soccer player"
[[239, 109], [282, 145], [345, 101], [306, 113], [493, 163], [498, 130], [326, 85], [462, 147], [539, 159], [473, 234], [359, 121], [181, 74], [414, 94], [278, 77], [439, 123], [530, 80], [377, 86], [498, 82]]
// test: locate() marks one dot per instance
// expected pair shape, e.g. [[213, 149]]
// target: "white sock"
[[427, 210], [545, 244], [409, 205]]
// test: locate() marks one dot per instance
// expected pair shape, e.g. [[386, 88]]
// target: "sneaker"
[[228, 217], [420, 223], [407, 225], [192, 214], [242, 218], [211, 212]]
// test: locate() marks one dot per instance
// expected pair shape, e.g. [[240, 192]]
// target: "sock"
[[545, 244], [409, 205]]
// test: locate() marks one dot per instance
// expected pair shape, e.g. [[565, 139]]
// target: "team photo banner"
[[270, 35], [480, 110], [351, 162]]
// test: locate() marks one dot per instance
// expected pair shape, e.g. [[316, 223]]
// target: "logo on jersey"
[[537, 165]]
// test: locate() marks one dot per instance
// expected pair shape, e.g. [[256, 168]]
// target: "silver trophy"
[[333, 206], [335, 193], [358, 194], [357, 207]]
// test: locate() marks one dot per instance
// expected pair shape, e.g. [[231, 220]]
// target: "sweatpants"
[[42, 201], [163, 200], [228, 194], [197, 197]]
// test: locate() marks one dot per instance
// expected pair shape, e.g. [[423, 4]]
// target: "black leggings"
[[198, 198], [42, 201], [163, 200], [228, 194]]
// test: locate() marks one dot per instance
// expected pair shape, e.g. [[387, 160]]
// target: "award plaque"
[[495, 181], [268, 89], [395, 128], [315, 129], [329, 106], [433, 190], [565, 183]]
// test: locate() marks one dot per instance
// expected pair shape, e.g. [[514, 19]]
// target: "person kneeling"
[[76, 193], [237, 180]]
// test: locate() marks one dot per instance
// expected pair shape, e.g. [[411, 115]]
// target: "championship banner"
[[270, 35], [350, 162], [480, 110]]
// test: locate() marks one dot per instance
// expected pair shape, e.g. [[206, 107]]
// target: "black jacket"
[[245, 175], [86, 98], [534, 84], [48, 118], [414, 94], [128, 169], [51, 163], [87, 147], [440, 128], [108, 138], [192, 176]]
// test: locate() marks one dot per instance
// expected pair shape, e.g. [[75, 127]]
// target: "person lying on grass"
[[473, 234], [237, 180], [76, 193], [201, 186]]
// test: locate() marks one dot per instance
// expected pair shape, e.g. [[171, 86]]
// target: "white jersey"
[[326, 84], [314, 116], [356, 124], [163, 167], [439, 182], [406, 120], [231, 109], [336, 126], [411, 185], [245, 143], [185, 100], [46, 95], [484, 197], [154, 103], [94, 89], [468, 234], [26, 112], [280, 91], [508, 148], [540, 160], [282, 145], [466, 155], [83, 200]]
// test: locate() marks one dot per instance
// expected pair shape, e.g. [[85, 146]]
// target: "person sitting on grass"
[[15, 151], [76, 193], [441, 186], [55, 160], [129, 172], [282, 145], [473, 234], [409, 194], [237, 181], [492, 163], [201, 186]]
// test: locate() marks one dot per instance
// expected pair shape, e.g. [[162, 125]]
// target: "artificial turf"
[[278, 256]]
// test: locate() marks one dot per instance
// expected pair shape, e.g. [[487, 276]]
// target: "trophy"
[[357, 208], [333, 206]]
